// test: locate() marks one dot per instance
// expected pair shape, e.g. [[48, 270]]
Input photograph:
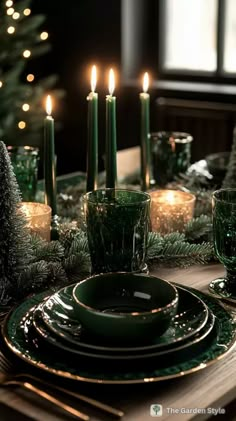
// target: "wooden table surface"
[[213, 387]]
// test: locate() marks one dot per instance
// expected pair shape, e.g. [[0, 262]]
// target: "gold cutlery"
[[7, 380], [7, 367]]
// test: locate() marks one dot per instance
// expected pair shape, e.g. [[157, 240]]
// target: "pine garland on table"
[[29, 264]]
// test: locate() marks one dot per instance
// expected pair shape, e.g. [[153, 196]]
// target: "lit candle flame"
[[49, 105], [170, 197], [145, 82], [111, 82], [93, 78]]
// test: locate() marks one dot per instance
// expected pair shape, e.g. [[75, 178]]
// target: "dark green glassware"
[[24, 160], [117, 224], [170, 156], [224, 233]]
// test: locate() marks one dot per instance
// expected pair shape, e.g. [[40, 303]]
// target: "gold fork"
[[6, 380], [7, 367]]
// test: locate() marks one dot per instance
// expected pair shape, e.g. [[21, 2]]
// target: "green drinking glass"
[[170, 155], [117, 223], [224, 234], [25, 160]]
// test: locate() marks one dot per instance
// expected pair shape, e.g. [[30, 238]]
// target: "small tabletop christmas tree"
[[14, 240]]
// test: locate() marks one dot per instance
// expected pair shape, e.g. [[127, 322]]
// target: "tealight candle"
[[171, 210], [38, 218]]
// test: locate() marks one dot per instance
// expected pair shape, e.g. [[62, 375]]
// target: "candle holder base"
[[55, 228]]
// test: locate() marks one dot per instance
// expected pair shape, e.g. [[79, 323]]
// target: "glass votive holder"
[[38, 218], [117, 223], [171, 210], [170, 155], [25, 160]]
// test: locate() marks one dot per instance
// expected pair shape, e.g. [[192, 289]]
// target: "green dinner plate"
[[36, 330], [59, 315], [14, 338]]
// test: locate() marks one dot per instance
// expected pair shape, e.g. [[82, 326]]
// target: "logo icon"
[[156, 410]]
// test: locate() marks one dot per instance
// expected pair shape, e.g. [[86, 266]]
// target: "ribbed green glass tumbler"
[[224, 233], [25, 160], [170, 155], [117, 224]]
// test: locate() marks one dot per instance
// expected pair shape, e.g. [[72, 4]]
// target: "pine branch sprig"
[[184, 254], [77, 267], [57, 274], [49, 252], [199, 228], [32, 278], [154, 244]]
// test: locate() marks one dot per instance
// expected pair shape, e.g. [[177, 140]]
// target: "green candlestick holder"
[[170, 156], [117, 223], [25, 160]]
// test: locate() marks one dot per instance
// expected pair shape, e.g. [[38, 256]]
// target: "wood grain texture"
[[213, 387]]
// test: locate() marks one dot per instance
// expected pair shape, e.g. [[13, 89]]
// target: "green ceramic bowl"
[[125, 307]]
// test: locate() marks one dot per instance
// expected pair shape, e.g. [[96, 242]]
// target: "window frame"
[[145, 52], [186, 75]]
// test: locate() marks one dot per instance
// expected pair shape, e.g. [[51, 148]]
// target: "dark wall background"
[[82, 33]]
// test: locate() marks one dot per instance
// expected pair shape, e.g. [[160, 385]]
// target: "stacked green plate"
[[44, 332]]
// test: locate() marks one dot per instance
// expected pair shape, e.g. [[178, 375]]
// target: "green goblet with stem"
[[224, 234]]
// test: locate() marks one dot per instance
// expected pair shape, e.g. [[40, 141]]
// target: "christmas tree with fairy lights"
[[23, 38]]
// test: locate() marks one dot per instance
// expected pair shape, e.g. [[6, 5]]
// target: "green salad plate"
[[59, 314]]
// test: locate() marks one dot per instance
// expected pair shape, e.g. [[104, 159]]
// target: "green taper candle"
[[92, 148], [145, 135], [49, 159], [111, 171]]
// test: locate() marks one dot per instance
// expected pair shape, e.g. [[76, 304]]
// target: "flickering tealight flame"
[[49, 105], [38, 218], [170, 197], [111, 82], [145, 82], [93, 78]]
